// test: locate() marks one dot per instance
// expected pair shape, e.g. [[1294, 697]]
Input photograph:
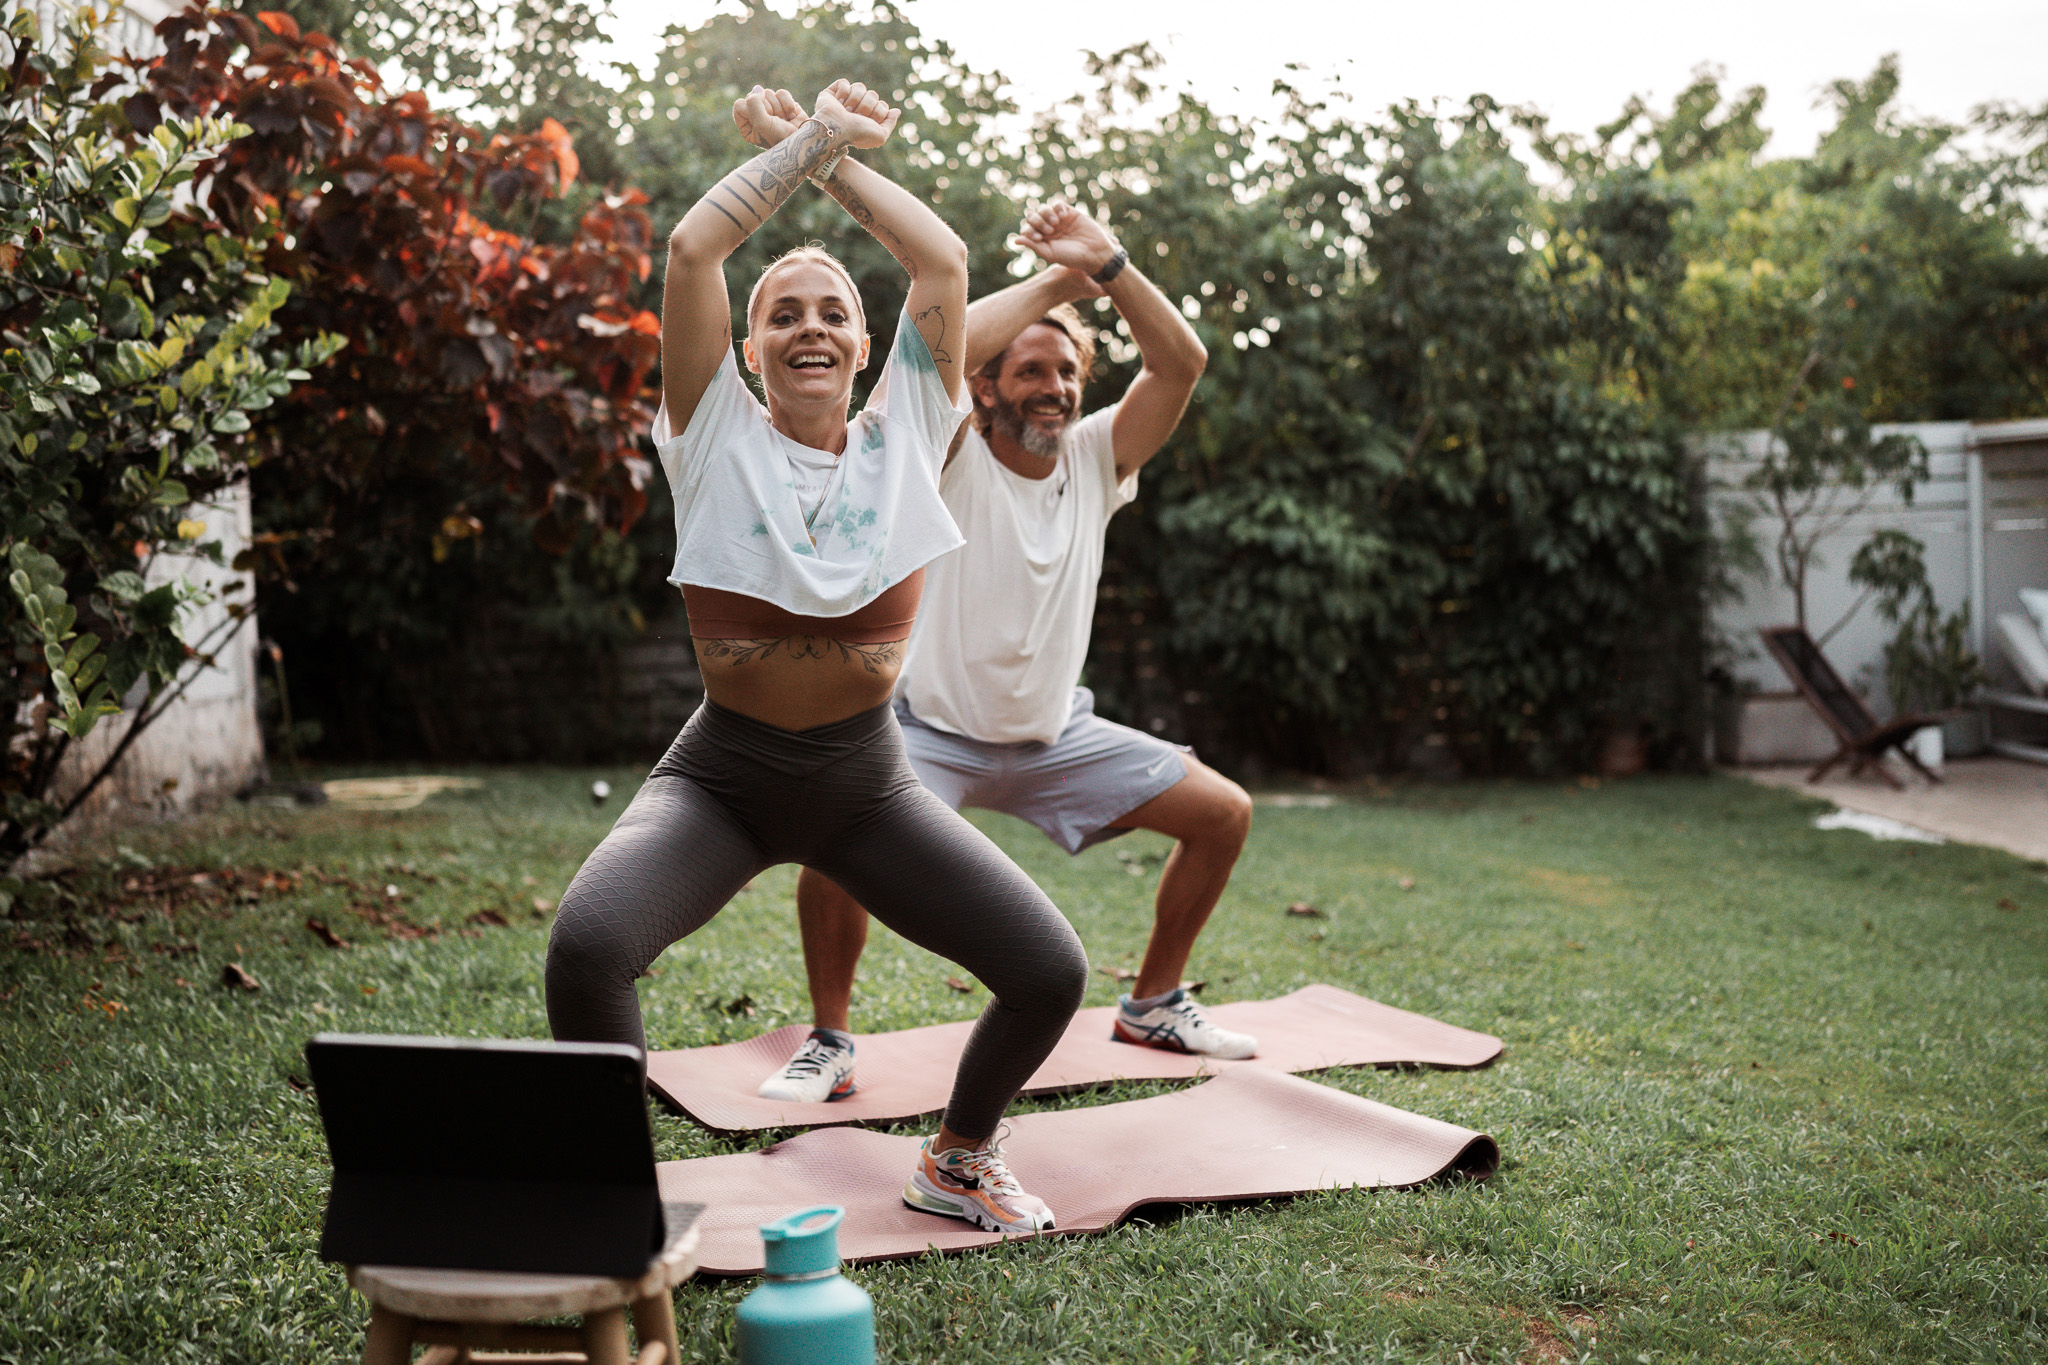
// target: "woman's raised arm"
[[931, 253], [696, 313]]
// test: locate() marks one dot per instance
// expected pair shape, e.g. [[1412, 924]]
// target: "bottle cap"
[[803, 1243]]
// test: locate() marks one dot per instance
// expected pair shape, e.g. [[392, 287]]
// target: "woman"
[[801, 541]]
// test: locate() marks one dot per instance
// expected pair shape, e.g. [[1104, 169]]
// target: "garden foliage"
[[496, 388], [1430, 504], [138, 342]]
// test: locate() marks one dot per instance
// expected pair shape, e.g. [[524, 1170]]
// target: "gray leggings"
[[734, 796]]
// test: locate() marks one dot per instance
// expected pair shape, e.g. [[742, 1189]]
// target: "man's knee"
[[1227, 814], [818, 897]]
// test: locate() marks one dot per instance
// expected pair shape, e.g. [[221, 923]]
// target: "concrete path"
[[2001, 802]]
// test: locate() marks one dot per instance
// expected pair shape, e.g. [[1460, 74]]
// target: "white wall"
[[209, 743], [2013, 513]]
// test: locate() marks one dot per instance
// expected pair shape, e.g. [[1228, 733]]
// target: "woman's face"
[[807, 339]]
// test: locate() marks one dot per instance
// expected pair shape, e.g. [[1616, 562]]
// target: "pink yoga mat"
[[908, 1074], [1251, 1133]]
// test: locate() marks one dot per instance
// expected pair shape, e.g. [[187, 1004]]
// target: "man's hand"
[[1060, 234], [765, 117], [859, 116]]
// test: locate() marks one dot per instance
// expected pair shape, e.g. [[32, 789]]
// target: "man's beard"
[[1009, 419]]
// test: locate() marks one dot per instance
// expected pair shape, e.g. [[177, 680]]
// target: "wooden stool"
[[458, 1311]]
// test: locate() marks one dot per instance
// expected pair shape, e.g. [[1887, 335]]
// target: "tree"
[[506, 59], [1901, 245], [495, 387], [139, 341]]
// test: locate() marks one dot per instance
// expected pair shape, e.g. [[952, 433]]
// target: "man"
[[988, 702]]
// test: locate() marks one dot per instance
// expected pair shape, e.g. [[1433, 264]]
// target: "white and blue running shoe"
[[821, 1070], [1177, 1024]]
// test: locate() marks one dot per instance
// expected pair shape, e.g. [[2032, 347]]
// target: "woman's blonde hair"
[[813, 253]]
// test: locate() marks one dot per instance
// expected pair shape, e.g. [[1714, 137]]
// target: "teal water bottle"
[[805, 1312]]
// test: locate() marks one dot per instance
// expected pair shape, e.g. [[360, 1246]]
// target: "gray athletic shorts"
[[1074, 788]]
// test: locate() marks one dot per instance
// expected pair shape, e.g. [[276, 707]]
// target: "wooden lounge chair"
[[1862, 740]]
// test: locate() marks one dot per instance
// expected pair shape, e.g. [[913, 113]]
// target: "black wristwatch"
[[1114, 268]]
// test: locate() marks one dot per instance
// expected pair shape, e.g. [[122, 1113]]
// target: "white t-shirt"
[[1003, 630], [744, 491]]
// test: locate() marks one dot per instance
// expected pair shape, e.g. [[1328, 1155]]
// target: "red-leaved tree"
[[532, 361], [467, 469]]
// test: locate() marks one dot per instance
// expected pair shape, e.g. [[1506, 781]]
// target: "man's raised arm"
[[1171, 355], [995, 320]]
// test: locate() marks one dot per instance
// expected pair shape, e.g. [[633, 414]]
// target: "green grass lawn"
[[1769, 1093]]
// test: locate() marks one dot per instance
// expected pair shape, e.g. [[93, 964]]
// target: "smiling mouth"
[[814, 362]]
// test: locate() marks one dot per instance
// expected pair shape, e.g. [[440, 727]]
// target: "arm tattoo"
[[775, 174], [728, 217], [726, 186], [849, 198], [872, 657], [936, 317]]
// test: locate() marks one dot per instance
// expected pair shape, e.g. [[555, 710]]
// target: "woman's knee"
[[588, 947], [1051, 975]]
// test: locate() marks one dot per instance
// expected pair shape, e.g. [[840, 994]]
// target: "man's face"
[[1037, 394]]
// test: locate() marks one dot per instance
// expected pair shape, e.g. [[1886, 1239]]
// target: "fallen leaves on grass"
[[2007, 903], [542, 905], [235, 975], [318, 929], [394, 925], [957, 984], [495, 918], [1303, 910], [1406, 883], [739, 1005], [1194, 987], [1118, 973], [1547, 1343], [298, 1083], [157, 891]]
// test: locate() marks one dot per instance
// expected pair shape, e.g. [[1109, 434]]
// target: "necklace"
[[823, 493]]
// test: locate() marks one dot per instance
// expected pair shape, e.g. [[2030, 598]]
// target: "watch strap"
[[1114, 268], [821, 174]]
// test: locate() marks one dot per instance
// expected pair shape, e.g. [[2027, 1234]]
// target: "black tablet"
[[488, 1155]]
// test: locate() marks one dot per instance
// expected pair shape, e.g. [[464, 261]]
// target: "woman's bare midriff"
[[799, 682]]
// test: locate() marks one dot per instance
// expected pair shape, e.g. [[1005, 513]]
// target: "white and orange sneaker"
[[976, 1186]]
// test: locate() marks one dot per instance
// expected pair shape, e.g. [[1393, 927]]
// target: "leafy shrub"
[[138, 341]]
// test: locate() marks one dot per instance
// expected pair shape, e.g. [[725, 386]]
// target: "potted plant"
[[1929, 666]]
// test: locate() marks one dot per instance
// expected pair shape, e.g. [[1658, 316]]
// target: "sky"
[[1578, 60]]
